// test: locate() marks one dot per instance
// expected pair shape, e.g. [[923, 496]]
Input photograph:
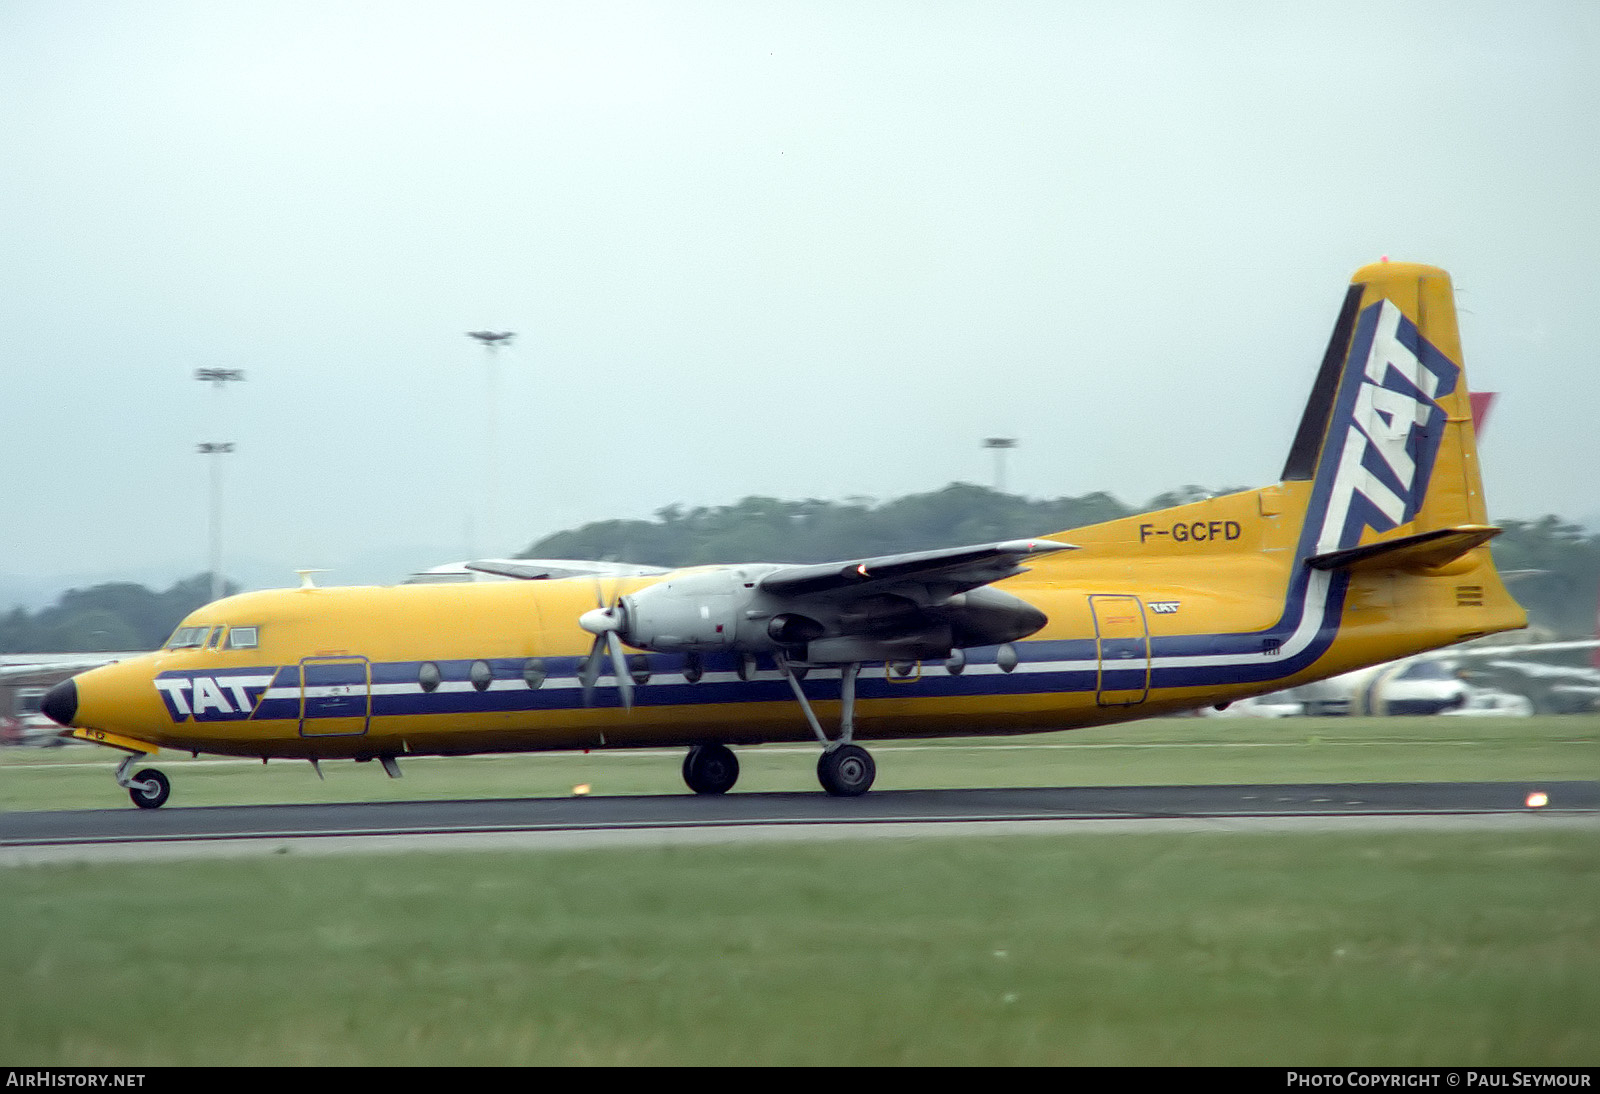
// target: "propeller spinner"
[[605, 624]]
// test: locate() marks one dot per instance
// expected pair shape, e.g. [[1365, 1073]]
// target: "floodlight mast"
[[218, 378], [1000, 446], [492, 342]]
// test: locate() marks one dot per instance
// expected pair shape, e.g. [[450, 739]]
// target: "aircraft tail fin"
[[1379, 517], [1387, 436]]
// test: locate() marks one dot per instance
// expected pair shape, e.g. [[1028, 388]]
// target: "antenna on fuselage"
[[305, 578]]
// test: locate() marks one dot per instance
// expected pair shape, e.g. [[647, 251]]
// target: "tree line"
[[762, 529], [115, 617], [1553, 566]]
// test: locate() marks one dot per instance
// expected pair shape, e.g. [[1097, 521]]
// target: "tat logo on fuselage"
[[217, 697], [1392, 428]]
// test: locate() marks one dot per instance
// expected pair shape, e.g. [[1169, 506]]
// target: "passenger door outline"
[[1122, 649]]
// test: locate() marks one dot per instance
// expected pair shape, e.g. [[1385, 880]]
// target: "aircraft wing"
[[551, 569], [1531, 647], [1535, 670], [1457, 653], [956, 569]]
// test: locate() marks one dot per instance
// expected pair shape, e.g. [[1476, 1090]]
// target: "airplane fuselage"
[[1154, 614], [1372, 546]]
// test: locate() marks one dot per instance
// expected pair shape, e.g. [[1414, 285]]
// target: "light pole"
[[218, 378], [492, 342], [1000, 446]]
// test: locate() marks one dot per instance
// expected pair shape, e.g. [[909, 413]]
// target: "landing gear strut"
[[845, 769], [149, 788], [710, 769]]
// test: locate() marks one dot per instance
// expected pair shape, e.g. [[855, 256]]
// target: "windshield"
[[188, 638]]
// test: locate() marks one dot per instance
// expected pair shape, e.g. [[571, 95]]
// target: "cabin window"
[[188, 638], [428, 676], [481, 675], [533, 672], [243, 638]]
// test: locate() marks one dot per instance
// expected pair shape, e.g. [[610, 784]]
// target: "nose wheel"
[[149, 788]]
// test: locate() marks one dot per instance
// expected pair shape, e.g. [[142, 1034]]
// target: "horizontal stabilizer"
[[1422, 551]]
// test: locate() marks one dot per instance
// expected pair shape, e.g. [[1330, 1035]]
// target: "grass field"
[[1332, 948]]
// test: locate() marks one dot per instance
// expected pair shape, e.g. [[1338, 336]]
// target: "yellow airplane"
[[1371, 547]]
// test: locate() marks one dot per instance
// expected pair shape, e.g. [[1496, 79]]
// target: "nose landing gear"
[[148, 788]]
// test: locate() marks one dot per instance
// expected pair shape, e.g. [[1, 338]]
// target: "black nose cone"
[[60, 703]]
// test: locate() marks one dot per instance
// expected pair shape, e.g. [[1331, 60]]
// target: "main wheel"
[[149, 798], [710, 769], [846, 771]]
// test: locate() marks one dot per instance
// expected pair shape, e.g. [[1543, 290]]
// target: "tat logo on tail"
[[1392, 427]]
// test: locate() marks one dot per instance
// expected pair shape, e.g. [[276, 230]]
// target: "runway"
[[559, 822]]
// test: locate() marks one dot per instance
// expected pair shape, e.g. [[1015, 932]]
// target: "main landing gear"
[[710, 769], [149, 788], [844, 769]]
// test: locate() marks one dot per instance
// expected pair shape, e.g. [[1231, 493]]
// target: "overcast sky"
[[800, 249]]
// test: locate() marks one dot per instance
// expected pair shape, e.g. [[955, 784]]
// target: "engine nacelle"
[[794, 629], [725, 609], [694, 612]]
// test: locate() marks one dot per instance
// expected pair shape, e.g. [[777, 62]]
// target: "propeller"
[[605, 623]]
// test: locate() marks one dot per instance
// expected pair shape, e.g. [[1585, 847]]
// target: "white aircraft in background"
[[28, 676], [1512, 679], [527, 569], [1489, 679]]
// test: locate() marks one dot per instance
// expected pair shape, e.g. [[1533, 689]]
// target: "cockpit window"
[[243, 638], [188, 638], [216, 637]]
